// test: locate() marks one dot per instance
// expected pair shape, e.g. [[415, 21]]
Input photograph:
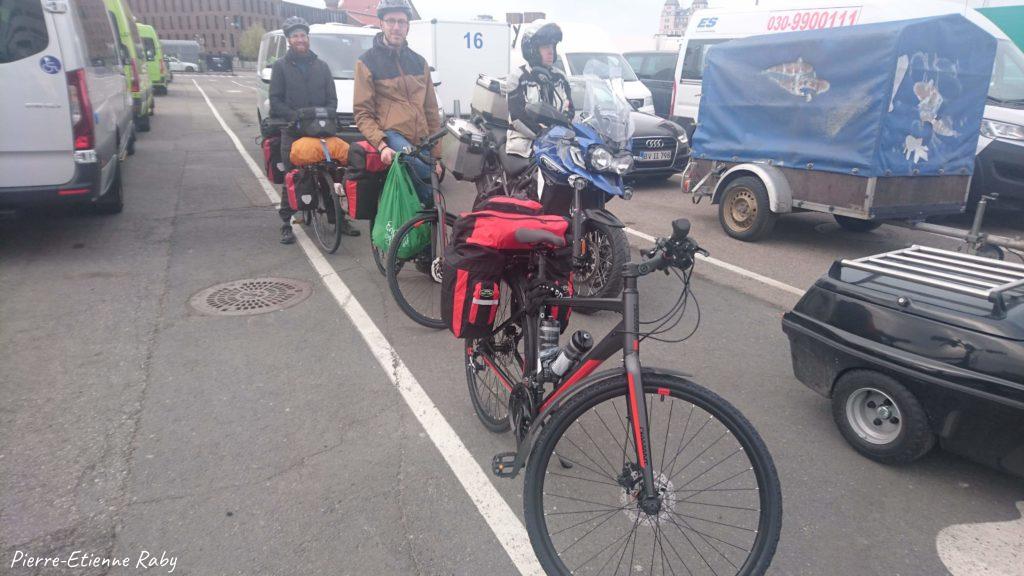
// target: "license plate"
[[653, 156]]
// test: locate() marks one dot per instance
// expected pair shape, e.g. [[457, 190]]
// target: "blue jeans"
[[421, 171]]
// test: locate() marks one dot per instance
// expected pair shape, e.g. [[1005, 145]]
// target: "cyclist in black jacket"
[[299, 80]]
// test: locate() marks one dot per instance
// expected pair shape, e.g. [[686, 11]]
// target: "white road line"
[[244, 85], [499, 516], [730, 267]]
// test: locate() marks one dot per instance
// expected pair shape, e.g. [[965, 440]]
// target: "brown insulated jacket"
[[394, 92]]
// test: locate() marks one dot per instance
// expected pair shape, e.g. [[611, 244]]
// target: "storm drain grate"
[[250, 296]]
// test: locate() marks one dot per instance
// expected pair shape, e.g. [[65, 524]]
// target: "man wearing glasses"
[[299, 80], [395, 105]]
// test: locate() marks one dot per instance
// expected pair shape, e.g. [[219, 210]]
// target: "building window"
[[231, 38]]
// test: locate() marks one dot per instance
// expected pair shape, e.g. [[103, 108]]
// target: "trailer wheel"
[[855, 224], [880, 418], [744, 211]]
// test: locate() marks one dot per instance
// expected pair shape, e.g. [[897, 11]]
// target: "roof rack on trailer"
[[963, 273]]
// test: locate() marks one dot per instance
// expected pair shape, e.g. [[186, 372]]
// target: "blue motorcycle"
[[575, 169]]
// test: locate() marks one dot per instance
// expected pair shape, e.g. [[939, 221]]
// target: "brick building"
[[218, 24]]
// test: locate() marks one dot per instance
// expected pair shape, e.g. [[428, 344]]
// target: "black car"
[[657, 71], [914, 347], [660, 147], [219, 63]]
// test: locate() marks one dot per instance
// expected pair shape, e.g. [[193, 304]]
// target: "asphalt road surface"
[[133, 426]]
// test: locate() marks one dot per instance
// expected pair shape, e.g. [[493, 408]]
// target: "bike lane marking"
[[730, 267], [510, 532]]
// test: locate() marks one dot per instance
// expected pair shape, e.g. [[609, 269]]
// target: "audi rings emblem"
[[654, 143]]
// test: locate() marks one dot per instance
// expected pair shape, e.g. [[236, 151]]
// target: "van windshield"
[[1008, 75], [340, 52], [581, 63]]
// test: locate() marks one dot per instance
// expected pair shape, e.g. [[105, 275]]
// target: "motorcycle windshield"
[[603, 105]]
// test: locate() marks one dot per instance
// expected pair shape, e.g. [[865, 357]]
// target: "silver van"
[[67, 114]]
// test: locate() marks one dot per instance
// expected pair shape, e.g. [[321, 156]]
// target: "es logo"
[[707, 23]]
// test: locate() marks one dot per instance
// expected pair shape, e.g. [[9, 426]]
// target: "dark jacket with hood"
[[393, 91], [300, 82]]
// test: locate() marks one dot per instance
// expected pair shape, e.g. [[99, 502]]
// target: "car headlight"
[[601, 158], [683, 140], [993, 129]]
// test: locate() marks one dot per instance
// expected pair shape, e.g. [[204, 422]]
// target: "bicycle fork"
[[648, 497]]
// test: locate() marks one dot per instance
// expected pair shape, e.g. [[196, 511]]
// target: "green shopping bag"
[[399, 204]]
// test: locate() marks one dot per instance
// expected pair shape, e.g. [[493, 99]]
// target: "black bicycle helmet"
[[294, 23], [539, 33], [386, 6]]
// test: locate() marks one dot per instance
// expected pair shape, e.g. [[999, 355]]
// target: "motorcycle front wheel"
[[605, 251]]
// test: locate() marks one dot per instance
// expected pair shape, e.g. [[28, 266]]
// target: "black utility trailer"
[[916, 346]]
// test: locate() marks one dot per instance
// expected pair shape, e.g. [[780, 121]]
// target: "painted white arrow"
[[989, 548]]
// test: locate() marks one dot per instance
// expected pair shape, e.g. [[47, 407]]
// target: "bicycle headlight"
[[601, 159]]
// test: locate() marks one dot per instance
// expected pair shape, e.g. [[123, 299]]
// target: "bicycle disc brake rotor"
[[632, 483], [435, 270]]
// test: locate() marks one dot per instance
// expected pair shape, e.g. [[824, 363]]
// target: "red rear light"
[[82, 128], [135, 76]]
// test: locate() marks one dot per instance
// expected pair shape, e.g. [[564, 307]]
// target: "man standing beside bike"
[[299, 80], [394, 103]]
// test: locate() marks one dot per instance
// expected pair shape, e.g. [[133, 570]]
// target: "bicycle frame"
[[624, 337]]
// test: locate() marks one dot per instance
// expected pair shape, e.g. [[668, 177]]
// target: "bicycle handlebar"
[[678, 251], [533, 236]]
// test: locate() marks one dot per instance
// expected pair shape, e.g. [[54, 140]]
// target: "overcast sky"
[[631, 23]]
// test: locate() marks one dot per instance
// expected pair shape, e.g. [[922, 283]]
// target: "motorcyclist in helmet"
[[536, 81]]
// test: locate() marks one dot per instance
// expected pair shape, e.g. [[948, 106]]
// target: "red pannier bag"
[[494, 222], [364, 180], [471, 289], [300, 190], [272, 159]]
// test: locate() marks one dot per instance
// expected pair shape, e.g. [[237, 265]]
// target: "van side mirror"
[[265, 75]]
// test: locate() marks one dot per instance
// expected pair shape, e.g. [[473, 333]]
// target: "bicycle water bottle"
[[580, 343], [549, 331]]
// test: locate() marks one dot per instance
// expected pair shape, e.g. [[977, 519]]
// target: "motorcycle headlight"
[[576, 153], [992, 129], [601, 159], [622, 163]]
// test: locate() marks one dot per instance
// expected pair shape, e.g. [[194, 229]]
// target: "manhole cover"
[[250, 296]]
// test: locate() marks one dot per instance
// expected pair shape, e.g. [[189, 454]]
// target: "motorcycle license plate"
[[653, 156]]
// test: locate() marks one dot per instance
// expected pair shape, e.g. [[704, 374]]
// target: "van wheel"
[[113, 201], [142, 123], [880, 418], [131, 143], [856, 224], [743, 210]]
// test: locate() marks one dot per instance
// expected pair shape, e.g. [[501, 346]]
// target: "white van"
[[338, 45], [67, 114], [458, 52], [584, 44], [1000, 161]]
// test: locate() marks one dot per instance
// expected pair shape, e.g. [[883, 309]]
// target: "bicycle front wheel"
[[719, 504], [415, 282], [327, 216]]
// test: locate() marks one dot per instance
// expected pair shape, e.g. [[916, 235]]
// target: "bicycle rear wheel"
[[415, 282], [719, 506], [327, 215], [494, 365]]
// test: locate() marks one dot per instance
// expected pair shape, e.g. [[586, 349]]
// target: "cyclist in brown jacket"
[[394, 103]]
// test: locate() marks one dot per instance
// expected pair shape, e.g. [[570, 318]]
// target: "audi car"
[[660, 147]]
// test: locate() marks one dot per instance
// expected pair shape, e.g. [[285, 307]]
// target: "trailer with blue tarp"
[[868, 123]]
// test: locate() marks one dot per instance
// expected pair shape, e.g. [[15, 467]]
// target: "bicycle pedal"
[[504, 465]]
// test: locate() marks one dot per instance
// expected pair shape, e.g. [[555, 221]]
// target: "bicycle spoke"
[[694, 546], [701, 475], [713, 489]]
